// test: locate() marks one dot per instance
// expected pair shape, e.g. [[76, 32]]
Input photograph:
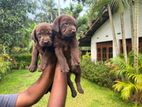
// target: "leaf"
[[118, 86], [127, 91], [125, 88]]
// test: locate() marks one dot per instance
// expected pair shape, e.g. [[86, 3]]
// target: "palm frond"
[[131, 84], [118, 86], [140, 60], [120, 66], [127, 91], [138, 78], [125, 88], [119, 62]]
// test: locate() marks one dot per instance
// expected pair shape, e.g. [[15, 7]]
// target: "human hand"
[[59, 89]]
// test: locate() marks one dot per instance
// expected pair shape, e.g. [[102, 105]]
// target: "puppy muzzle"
[[69, 37]]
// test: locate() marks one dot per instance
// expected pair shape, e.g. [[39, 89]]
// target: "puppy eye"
[[39, 36], [66, 24], [48, 33]]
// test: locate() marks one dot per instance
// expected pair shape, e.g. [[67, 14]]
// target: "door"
[[104, 51]]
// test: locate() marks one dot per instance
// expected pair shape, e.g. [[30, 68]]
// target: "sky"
[[63, 3]]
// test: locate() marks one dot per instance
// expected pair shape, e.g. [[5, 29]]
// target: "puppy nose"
[[46, 42], [73, 30]]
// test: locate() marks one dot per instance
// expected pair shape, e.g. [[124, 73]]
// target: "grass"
[[94, 96]]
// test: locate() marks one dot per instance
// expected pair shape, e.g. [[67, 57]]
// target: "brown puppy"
[[43, 45], [66, 49]]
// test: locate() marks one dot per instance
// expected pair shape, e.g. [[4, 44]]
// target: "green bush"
[[21, 60], [5, 64], [129, 84], [98, 73]]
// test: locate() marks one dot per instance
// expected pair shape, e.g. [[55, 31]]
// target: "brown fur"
[[66, 49], [43, 46]]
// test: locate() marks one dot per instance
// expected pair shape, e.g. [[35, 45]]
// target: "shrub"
[[21, 60], [5, 64], [130, 83], [98, 73]]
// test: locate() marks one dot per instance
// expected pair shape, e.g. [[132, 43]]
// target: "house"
[[99, 36]]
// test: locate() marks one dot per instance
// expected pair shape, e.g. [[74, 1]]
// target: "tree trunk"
[[136, 33], [123, 37], [59, 8], [115, 44], [132, 23]]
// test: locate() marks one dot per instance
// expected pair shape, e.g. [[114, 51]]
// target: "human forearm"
[[59, 89], [37, 90]]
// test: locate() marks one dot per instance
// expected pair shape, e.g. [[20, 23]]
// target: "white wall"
[[104, 33]]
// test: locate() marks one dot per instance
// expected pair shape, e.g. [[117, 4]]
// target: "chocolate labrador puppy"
[[43, 46], [66, 49]]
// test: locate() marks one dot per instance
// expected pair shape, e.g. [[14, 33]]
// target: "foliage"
[[82, 25], [5, 64], [74, 10], [22, 60], [14, 19], [98, 7], [129, 84], [98, 73], [47, 11], [26, 32]]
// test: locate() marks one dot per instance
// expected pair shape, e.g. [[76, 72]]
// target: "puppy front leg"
[[61, 59], [75, 55], [47, 58], [33, 65]]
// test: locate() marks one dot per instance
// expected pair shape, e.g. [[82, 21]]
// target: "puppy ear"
[[33, 35], [56, 24]]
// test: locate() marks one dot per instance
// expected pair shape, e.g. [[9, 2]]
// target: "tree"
[[123, 37], [74, 10], [132, 22], [115, 44], [136, 33], [13, 15], [47, 11], [59, 8], [122, 4]]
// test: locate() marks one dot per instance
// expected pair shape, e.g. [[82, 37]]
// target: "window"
[[104, 54], [110, 52], [104, 51], [129, 45], [98, 54]]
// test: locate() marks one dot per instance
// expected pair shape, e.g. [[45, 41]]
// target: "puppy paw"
[[75, 61], [43, 67], [74, 94], [79, 88], [32, 68], [81, 91], [65, 68]]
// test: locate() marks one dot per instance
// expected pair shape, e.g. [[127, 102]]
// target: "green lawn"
[[94, 96]]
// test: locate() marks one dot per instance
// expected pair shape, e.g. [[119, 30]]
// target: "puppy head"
[[42, 34], [65, 26]]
